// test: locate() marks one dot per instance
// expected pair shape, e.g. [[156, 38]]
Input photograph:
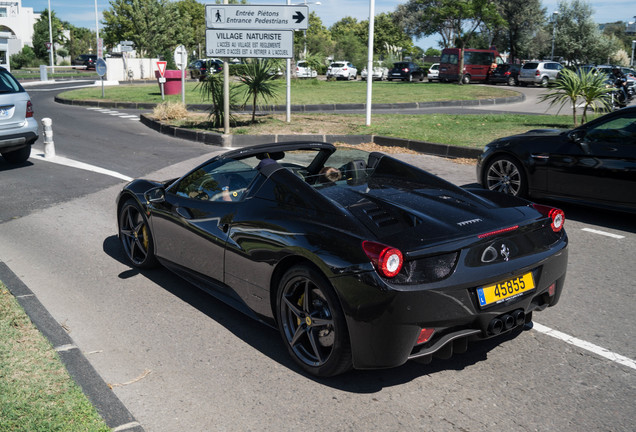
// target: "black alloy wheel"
[[135, 235], [312, 323], [504, 174]]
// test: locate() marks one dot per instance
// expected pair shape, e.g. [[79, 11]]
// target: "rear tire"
[[17, 156], [466, 79], [544, 82], [312, 324]]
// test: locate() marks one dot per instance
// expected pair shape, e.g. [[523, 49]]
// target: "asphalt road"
[[180, 360]]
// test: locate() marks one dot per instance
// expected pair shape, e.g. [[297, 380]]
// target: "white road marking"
[[594, 231], [603, 352], [39, 154]]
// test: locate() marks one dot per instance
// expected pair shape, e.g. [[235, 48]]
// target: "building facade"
[[16, 28]]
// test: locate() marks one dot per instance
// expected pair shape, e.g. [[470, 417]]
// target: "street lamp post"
[[50, 40], [633, 46], [554, 22], [305, 31]]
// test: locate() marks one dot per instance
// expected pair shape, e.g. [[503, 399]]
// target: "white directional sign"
[[249, 43], [263, 17]]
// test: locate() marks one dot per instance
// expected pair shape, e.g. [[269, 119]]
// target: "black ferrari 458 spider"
[[360, 260]]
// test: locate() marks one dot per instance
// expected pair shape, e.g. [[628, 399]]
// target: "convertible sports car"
[[594, 163], [360, 260]]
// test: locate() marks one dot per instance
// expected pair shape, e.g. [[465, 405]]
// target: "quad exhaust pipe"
[[506, 322]]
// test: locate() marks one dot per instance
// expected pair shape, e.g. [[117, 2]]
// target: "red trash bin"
[[173, 81]]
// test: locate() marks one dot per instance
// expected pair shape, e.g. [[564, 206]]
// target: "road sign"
[[161, 65], [100, 48], [100, 67], [249, 43], [181, 57], [128, 43], [126, 48], [48, 46], [259, 17]]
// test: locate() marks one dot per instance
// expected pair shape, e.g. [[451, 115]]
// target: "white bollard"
[[49, 146]]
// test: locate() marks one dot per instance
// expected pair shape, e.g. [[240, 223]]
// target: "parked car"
[[18, 127], [304, 71], [87, 60], [199, 69], [505, 73], [433, 72], [541, 73], [379, 72], [406, 71], [358, 259], [594, 163], [342, 70]]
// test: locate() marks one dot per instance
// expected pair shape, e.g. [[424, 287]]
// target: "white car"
[[379, 73], [342, 70], [304, 71], [18, 127], [433, 72]]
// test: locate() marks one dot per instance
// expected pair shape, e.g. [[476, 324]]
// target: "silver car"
[[18, 127], [542, 73]]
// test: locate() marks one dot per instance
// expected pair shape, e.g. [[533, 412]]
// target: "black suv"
[[406, 71], [200, 68]]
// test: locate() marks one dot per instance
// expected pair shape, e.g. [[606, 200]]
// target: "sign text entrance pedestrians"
[[264, 17]]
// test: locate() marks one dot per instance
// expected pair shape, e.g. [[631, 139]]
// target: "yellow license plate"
[[505, 290]]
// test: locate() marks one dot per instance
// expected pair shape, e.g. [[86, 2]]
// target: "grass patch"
[[36, 392], [472, 130], [307, 92]]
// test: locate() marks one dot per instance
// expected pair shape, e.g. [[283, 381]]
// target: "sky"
[[81, 13]]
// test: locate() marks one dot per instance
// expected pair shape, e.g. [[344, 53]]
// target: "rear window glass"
[[8, 84], [530, 65], [449, 58], [337, 64]]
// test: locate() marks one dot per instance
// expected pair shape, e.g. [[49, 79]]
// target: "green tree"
[[454, 20], [522, 20], [41, 34], [81, 41], [150, 24], [347, 35], [191, 25], [578, 39], [258, 82], [317, 37]]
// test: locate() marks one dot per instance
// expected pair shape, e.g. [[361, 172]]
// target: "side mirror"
[[156, 195], [576, 135]]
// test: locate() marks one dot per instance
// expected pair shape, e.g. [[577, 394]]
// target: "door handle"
[[183, 212]]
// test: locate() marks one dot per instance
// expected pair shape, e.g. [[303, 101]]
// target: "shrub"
[[170, 111]]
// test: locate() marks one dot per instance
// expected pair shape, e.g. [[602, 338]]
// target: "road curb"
[[233, 141], [108, 405]]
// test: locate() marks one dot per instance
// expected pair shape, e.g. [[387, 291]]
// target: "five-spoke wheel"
[[312, 324], [135, 235], [504, 174]]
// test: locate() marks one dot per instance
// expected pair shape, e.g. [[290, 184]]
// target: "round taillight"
[[558, 219], [557, 216], [386, 259]]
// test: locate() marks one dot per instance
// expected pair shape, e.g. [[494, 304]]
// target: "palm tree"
[[211, 88], [594, 92], [567, 89], [258, 81]]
